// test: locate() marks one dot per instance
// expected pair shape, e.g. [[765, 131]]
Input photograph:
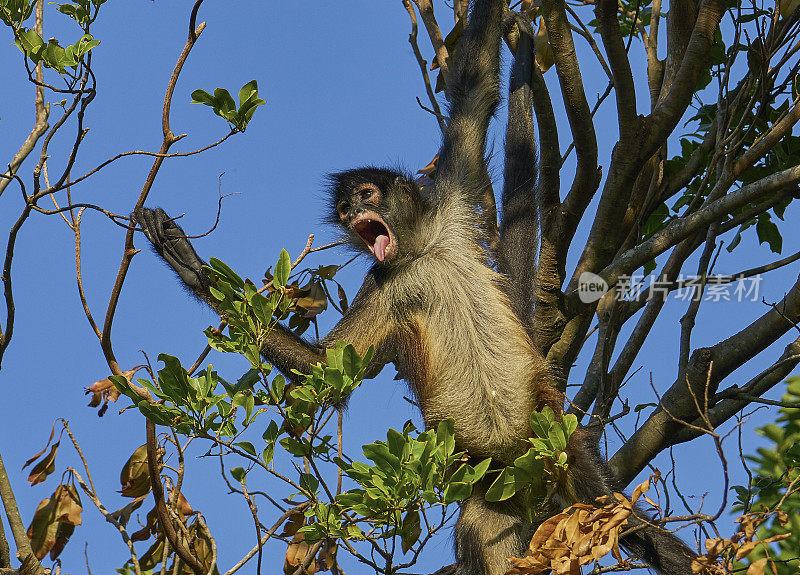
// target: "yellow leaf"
[[757, 568]]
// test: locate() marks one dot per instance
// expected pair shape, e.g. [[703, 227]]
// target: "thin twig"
[[423, 67], [129, 249]]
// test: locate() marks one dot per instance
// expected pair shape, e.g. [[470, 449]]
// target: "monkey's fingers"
[[170, 242]]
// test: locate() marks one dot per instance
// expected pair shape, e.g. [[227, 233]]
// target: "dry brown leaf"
[[150, 527], [293, 523], [717, 547], [45, 467], [775, 538], [326, 558], [749, 525], [135, 477], [580, 535], [544, 52], [746, 548], [68, 505], [104, 390], [296, 554], [38, 455], [42, 530], [182, 506], [757, 567]]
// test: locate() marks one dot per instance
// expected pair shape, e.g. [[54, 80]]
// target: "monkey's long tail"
[[662, 550], [659, 548]]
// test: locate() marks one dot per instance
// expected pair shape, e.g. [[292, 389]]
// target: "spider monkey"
[[456, 328]]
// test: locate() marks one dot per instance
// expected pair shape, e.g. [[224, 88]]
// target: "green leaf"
[[30, 43], [333, 377], [351, 362], [124, 386], [309, 483], [158, 414], [226, 272], [540, 424], [278, 388], [570, 424], [223, 102], [202, 97], [246, 400], [246, 446], [396, 442], [247, 92], [445, 435], [528, 468], [263, 308], [383, 458], [15, 12], [479, 470], [641, 406], [238, 474], [173, 379], [411, 530], [504, 487], [557, 438], [295, 447], [282, 270], [457, 491], [768, 232]]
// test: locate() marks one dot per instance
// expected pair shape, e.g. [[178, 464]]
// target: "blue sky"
[[340, 83]]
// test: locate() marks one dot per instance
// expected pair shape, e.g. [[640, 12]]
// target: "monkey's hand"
[[171, 243]]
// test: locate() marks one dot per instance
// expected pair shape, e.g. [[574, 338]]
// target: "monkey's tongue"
[[379, 247]]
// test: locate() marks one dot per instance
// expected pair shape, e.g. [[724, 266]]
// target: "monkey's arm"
[[474, 97], [282, 348], [519, 224]]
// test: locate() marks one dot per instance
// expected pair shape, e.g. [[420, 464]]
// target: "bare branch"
[[40, 124], [164, 517], [425, 8], [587, 175], [625, 90], [679, 229], [671, 108], [423, 65], [129, 250], [706, 368], [24, 551]]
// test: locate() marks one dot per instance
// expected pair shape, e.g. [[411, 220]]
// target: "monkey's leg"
[[487, 534]]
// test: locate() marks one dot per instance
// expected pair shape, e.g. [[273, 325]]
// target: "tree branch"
[[40, 124], [707, 367], [129, 250], [659, 242]]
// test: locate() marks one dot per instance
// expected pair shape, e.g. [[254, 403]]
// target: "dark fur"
[[455, 327]]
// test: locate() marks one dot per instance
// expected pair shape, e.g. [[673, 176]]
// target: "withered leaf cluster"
[[720, 553]]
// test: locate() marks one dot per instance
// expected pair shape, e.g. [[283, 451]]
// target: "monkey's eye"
[[367, 193], [342, 207]]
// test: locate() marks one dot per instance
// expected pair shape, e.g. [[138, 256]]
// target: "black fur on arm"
[[519, 223], [474, 95], [283, 348]]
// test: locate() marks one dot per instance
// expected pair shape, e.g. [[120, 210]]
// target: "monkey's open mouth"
[[376, 234]]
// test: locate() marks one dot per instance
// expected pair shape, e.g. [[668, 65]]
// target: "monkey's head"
[[378, 209]]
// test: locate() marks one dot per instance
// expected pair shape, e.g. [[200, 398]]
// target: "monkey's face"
[[376, 207], [359, 213]]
